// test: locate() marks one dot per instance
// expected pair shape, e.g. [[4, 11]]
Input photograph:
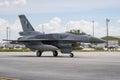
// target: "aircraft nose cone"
[[96, 40]]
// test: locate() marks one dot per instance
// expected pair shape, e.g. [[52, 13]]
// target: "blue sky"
[[61, 15]]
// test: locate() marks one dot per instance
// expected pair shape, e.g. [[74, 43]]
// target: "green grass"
[[14, 50]]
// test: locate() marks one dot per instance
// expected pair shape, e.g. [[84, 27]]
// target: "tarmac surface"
[[84, 66]]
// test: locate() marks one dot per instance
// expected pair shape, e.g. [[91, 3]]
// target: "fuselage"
[[61, 41]]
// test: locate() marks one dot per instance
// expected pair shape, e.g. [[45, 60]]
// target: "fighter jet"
[[37, 41]]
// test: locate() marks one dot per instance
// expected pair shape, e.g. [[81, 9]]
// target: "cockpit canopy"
[[78, 32]]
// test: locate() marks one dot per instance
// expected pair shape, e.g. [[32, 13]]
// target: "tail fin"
[[27, 27]]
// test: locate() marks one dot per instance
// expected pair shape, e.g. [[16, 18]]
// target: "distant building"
[[113, 42], [112, 39], [1, 45], [12, 46]]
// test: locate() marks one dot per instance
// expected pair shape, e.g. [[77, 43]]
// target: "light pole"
[[107, 30], [7, 32], [93, 27], [43, 29], [7, 35]]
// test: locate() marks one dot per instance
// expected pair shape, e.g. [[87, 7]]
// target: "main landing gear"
[[71, 55], [55, 54], [39, 53]]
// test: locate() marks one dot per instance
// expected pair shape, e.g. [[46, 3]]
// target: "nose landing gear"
[[55, 54]]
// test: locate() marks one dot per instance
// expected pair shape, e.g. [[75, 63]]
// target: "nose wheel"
[[71, 55]]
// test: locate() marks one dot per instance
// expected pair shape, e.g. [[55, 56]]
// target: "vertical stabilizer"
[[27, 27]]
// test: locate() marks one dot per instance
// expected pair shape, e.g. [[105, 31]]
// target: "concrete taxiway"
[[84, 66]]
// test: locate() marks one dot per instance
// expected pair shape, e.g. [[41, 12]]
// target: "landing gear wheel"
[[71, 55], [55, 53], [39, 53]]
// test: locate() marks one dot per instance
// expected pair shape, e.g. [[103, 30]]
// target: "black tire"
[[39, 53], [71, 55], [55, 53]]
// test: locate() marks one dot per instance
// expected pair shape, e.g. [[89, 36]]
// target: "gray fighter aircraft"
[[65, 42]]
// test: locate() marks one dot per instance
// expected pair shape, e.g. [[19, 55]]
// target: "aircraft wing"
[[37, 40]]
